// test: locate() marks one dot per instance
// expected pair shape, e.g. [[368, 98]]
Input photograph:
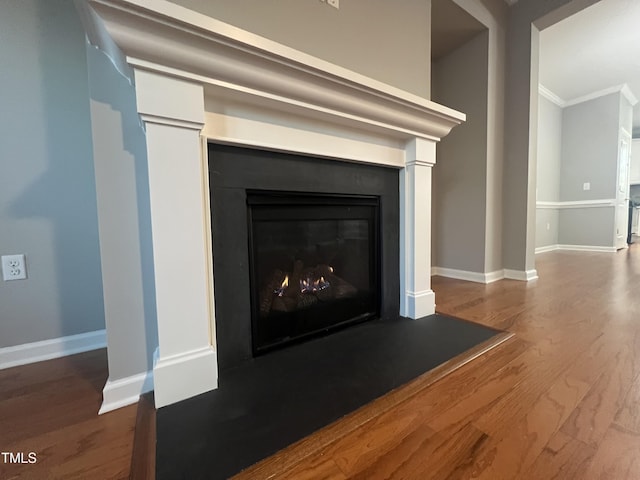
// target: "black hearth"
[[324, 225], [314, 264]]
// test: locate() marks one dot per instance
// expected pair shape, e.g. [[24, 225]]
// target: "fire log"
[[284, 304], [341, 288], [294, 279], [306, 300], [266, 294]]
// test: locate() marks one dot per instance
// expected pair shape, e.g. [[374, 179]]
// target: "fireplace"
[[314, 264], [199, 81]]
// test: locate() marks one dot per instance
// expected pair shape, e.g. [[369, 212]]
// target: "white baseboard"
[[523, 276], [494, 276], [547, 248], [468, 276], [418, 304], [587, 248], [54, 348], [125, 391], [576, 248], [184, 376]]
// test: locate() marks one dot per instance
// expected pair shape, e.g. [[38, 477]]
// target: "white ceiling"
[[594, 50]]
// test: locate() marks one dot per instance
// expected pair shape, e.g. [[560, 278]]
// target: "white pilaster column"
[[173, 113], [417, 299]]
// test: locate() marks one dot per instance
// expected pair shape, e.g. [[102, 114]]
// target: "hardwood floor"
[[559, 400], [50, 408]]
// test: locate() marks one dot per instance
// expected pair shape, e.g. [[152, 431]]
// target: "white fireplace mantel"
[[198, 79], [164, 37]]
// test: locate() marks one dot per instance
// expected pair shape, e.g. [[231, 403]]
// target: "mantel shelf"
[[157, 35]]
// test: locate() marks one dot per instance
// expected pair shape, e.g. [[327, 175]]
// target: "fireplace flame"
[[311, 285], [285, 284]]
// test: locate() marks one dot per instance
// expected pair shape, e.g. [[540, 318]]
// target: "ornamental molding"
[[157, 35]]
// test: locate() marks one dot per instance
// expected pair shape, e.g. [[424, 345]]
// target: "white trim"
[[54, 348], [547, 248], [172, 122], [576, 248], [416, 297], [494, 276], [467, 275], [303, 136], [125, 391], [623, 89], [523, 276], [490, 277], [421, 163], [588, 248], [420, 304], [552, 97], [185, 44], [186, 365], [548, 205], [628, 94], [607, 202], [185, 375]]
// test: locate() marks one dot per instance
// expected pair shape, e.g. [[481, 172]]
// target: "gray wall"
[[460, 174], [578, 144], [548, 170], [521, 123], [587, 226], [124, 219], [493, 14], [589, 154], [590, 149], [547, 227], [634, 193], [549, 150], [387, 41], [47, 192]]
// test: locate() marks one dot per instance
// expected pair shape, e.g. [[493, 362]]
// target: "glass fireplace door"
[[314, 264]]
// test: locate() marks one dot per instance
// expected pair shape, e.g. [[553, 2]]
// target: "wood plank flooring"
[[51, 408], [559, 400]]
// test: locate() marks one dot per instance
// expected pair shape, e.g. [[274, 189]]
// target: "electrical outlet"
[[334, 3], [14, 267], [548, 226], [586, 186]]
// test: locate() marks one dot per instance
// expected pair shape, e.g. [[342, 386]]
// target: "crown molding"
[[624, 89], [160, 36], [549, 95]]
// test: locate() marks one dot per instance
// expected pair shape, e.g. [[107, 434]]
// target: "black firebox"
[[314, 264], [314, 215]]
